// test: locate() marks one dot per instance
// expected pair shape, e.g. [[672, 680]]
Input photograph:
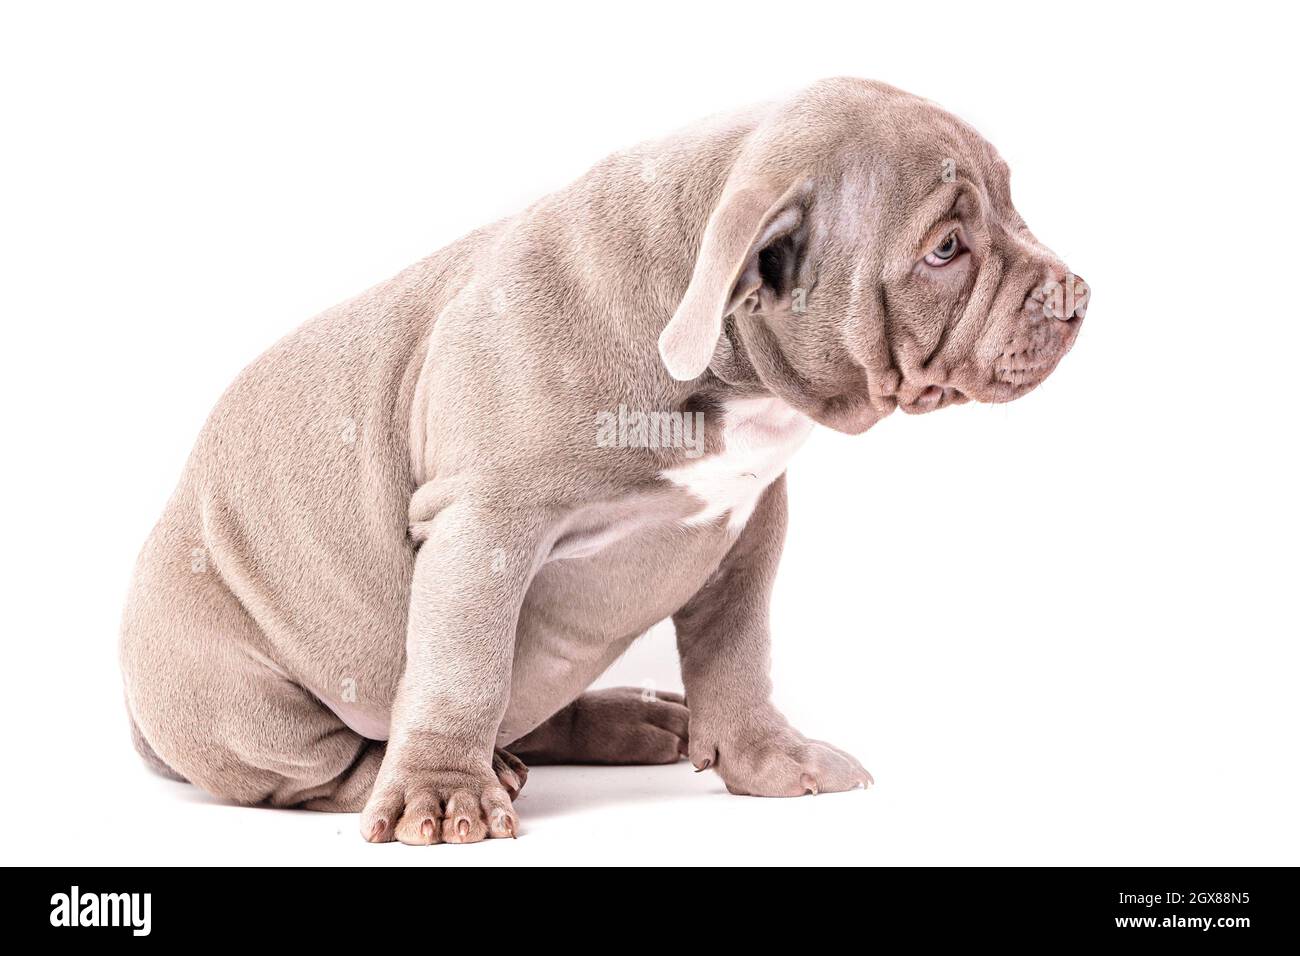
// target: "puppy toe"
[[500, 815], [510, 770], [380, 816], [673, 717], [421, 823], [463, 819]]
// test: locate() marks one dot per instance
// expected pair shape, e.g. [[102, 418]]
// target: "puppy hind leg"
[[211, 709], [246, 734], [618, 725], [251, 736], [151, 759]]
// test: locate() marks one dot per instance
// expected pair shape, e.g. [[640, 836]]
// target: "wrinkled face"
[[976, 307], [867, 253]]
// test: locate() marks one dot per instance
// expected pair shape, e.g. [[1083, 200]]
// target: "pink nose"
[[1065, 298]]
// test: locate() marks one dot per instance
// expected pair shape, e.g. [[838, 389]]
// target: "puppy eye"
[[945, 252]]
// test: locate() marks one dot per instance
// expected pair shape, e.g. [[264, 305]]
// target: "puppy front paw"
[[763, 756], [420, 807]]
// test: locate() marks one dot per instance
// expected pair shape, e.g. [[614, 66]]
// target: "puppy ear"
[[733, 270]]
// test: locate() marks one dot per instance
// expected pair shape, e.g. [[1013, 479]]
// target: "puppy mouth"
[[1027, 361], [1002, 392], [1021, 373], [934, 397]]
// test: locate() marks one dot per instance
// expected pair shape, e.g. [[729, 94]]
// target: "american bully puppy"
[[415, 531]]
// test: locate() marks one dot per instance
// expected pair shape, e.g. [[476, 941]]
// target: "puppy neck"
[[843, 394]]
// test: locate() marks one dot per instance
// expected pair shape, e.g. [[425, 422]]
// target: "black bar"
[[1180, 906]]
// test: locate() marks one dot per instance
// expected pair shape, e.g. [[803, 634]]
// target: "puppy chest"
[[641, 538], [759, 437]]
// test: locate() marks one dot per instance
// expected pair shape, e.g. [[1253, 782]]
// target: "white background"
[[1058, 631]]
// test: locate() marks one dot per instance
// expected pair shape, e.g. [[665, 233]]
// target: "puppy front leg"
[[723, 639], [437, 782]]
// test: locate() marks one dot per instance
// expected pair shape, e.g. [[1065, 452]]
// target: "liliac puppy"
[[399, 555]]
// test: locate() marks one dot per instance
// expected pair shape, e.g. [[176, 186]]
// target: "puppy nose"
[[1064, 298]]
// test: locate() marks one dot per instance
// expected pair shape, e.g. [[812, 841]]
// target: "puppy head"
[[867, 252]]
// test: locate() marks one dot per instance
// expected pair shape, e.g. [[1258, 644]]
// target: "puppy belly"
[[582, 613], [550, 671], [368, 720]]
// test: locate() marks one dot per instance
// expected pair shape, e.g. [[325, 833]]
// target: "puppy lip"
[[933, 397], [1014, 377], [1004, 390]]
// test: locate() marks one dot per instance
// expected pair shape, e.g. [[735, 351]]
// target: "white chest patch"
[[759, 435]]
